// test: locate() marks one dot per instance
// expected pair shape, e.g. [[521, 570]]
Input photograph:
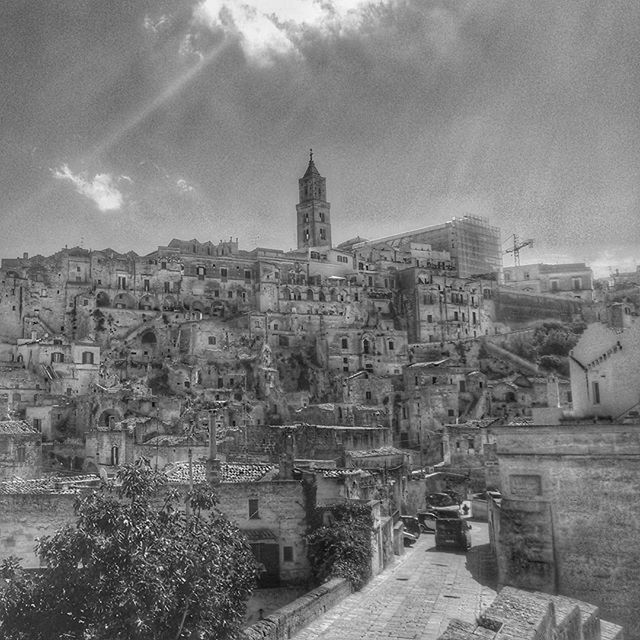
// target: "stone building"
[[567, 522], [566, 280], [605, 369], [20, 450]]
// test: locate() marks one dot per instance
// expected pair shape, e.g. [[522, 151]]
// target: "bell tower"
[[313, 210]]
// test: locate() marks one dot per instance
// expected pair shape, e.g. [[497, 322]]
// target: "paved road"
[[416, 596]]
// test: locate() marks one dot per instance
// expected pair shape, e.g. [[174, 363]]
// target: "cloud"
[[267, 29], [184, 186], [102, 189]]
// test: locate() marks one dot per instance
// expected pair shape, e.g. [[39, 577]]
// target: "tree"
[[134, 566]]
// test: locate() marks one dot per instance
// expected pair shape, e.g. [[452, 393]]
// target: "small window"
[[87, 357], [163, 265], [230, 294], [367, 395], [595, 386], [21, 453], [287, 554], [247, 274], [391, 345], [37, 424], [212, 339], [345, 343], [223, 272], [254, 513], [167, 287]]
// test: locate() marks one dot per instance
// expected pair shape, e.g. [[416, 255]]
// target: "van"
[[453, 533]]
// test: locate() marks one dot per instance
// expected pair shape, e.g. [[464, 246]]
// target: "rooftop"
[[10, 427]]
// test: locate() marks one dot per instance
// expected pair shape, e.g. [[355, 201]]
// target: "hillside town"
[[376, 371]]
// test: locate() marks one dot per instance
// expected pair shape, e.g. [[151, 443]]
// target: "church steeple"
[[313, 210]]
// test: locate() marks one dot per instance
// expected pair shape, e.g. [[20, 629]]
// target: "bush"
[[343, 547]]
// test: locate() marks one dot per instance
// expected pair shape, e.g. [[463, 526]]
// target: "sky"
[[126, 124]]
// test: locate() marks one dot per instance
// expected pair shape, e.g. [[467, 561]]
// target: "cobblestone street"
[[416, 596]]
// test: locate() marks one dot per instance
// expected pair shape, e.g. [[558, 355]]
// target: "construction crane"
[[517, 245]]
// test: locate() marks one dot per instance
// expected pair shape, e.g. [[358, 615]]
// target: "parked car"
[[427, 519], [411, 524], [439, 500], [453, 533]]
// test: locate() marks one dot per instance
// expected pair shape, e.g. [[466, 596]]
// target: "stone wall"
[[285, 622], [523, 615], [568, 519], [25, 517]]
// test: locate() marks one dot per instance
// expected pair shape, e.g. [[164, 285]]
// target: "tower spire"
[[313, 210]]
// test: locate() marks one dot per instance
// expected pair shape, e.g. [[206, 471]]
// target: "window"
[[344, 343], [322, 216], [555, 285], [57, 357], [323, 234], [247, 274], [201, 271], [287, 554], [37, 424], [595, 387], [366, 346], [167, 287], [391, 345], [163, 265], [146, 285], [367, 395], [455, 315], [576, 284], [283, 341], [122, 282], [87, 357], [223, 272], [429, 318], [254, 513], [21, 453], [212, 339], [229, 294]]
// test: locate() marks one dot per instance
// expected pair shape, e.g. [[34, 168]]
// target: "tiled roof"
[[48, 485], [178, 472], [16, 426], [371, 453], [341, 473]]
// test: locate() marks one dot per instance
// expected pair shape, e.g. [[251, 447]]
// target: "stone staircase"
[[525, 615]]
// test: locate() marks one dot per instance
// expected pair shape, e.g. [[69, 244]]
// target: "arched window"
[[366, 346]]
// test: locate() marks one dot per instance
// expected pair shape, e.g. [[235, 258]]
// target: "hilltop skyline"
[[127, 126]]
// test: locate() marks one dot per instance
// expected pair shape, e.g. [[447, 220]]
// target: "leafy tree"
[[343, 547], [134, 566]]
